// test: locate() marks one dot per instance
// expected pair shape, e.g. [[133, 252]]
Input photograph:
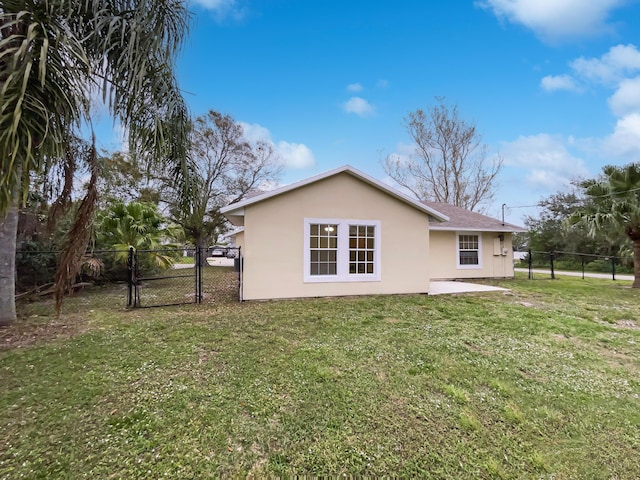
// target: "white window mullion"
[[343, 251]]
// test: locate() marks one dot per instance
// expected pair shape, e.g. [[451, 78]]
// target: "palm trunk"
[[8, 234], [636, 263], [200, 243]]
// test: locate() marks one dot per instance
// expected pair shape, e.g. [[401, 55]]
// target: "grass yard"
[[540, 383]]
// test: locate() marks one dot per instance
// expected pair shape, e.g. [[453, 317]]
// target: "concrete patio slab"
[[444, 287]]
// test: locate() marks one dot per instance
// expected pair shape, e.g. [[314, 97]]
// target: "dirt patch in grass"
[[475, 349], [526, 304], [626, 324], [618, 359], [37, 330], [531, 376]]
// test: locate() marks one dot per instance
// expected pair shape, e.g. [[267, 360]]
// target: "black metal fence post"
[[196, 268], [530, 265], [241, 267], [613, 268], [582, 260], [199, 265], [131, 279], [553, 274], [136, 278]]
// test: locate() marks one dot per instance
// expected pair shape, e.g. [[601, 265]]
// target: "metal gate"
[[158, 277]]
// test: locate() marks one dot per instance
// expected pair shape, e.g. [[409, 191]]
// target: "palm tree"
[[614, 203], [55, 55], [135, 224]]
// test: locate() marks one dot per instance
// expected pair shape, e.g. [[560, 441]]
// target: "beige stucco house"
[[343, 232], [470, 245]]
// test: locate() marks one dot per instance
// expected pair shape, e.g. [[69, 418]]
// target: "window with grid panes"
[[323, 249], [340, 250], [468, 250], [361, 249]]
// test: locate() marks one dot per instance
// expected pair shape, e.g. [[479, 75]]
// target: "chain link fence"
[[120, 279], [547, 264]]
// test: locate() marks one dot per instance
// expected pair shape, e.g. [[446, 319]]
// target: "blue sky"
[[552, 85]]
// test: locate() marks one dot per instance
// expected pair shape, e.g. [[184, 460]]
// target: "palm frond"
[[52, 52]]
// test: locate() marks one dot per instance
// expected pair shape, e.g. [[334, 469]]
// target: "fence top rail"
[[168, 249], [124, 250], [88, 252], [608, 257]]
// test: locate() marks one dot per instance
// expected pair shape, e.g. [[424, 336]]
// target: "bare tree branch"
[[449, 163], [227, 167]]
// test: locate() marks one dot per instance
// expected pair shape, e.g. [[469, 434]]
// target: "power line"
[[522, 206], [637, 189], [616, 193]]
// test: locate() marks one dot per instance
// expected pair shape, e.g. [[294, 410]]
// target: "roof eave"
[[506, 228]]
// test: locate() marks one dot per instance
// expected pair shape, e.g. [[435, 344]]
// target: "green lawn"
[[540, 383]]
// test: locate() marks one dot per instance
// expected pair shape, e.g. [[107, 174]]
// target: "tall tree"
[[449, 163], [123, 179], [56, 54], [227, 166], [615, 205], [552, 229]]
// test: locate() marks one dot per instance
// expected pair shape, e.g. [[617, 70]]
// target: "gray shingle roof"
[[462, 219]]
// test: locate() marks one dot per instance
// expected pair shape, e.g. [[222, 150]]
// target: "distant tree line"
[[599, 216]]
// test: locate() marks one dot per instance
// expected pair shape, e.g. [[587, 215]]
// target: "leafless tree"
[[449, 163], [226, 168]]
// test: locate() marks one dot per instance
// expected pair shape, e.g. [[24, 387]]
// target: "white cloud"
[[625, 139], [404, 151], [359, 106], [551, 83], [296, 155], [255, 132], [620, 61], [553, 20], [222, 8], [617, 69], [546, 180], [293, 155], [354, 87], [626, 99], [215, 4], [547, 160]]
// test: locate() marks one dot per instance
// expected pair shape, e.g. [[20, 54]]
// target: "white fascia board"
[[235, 211], [507, 228]]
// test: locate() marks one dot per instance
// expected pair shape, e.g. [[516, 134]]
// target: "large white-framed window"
[[469, 250], [341, 250]]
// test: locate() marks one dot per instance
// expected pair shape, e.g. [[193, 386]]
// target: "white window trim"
[[342, 264], [468, 267]]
